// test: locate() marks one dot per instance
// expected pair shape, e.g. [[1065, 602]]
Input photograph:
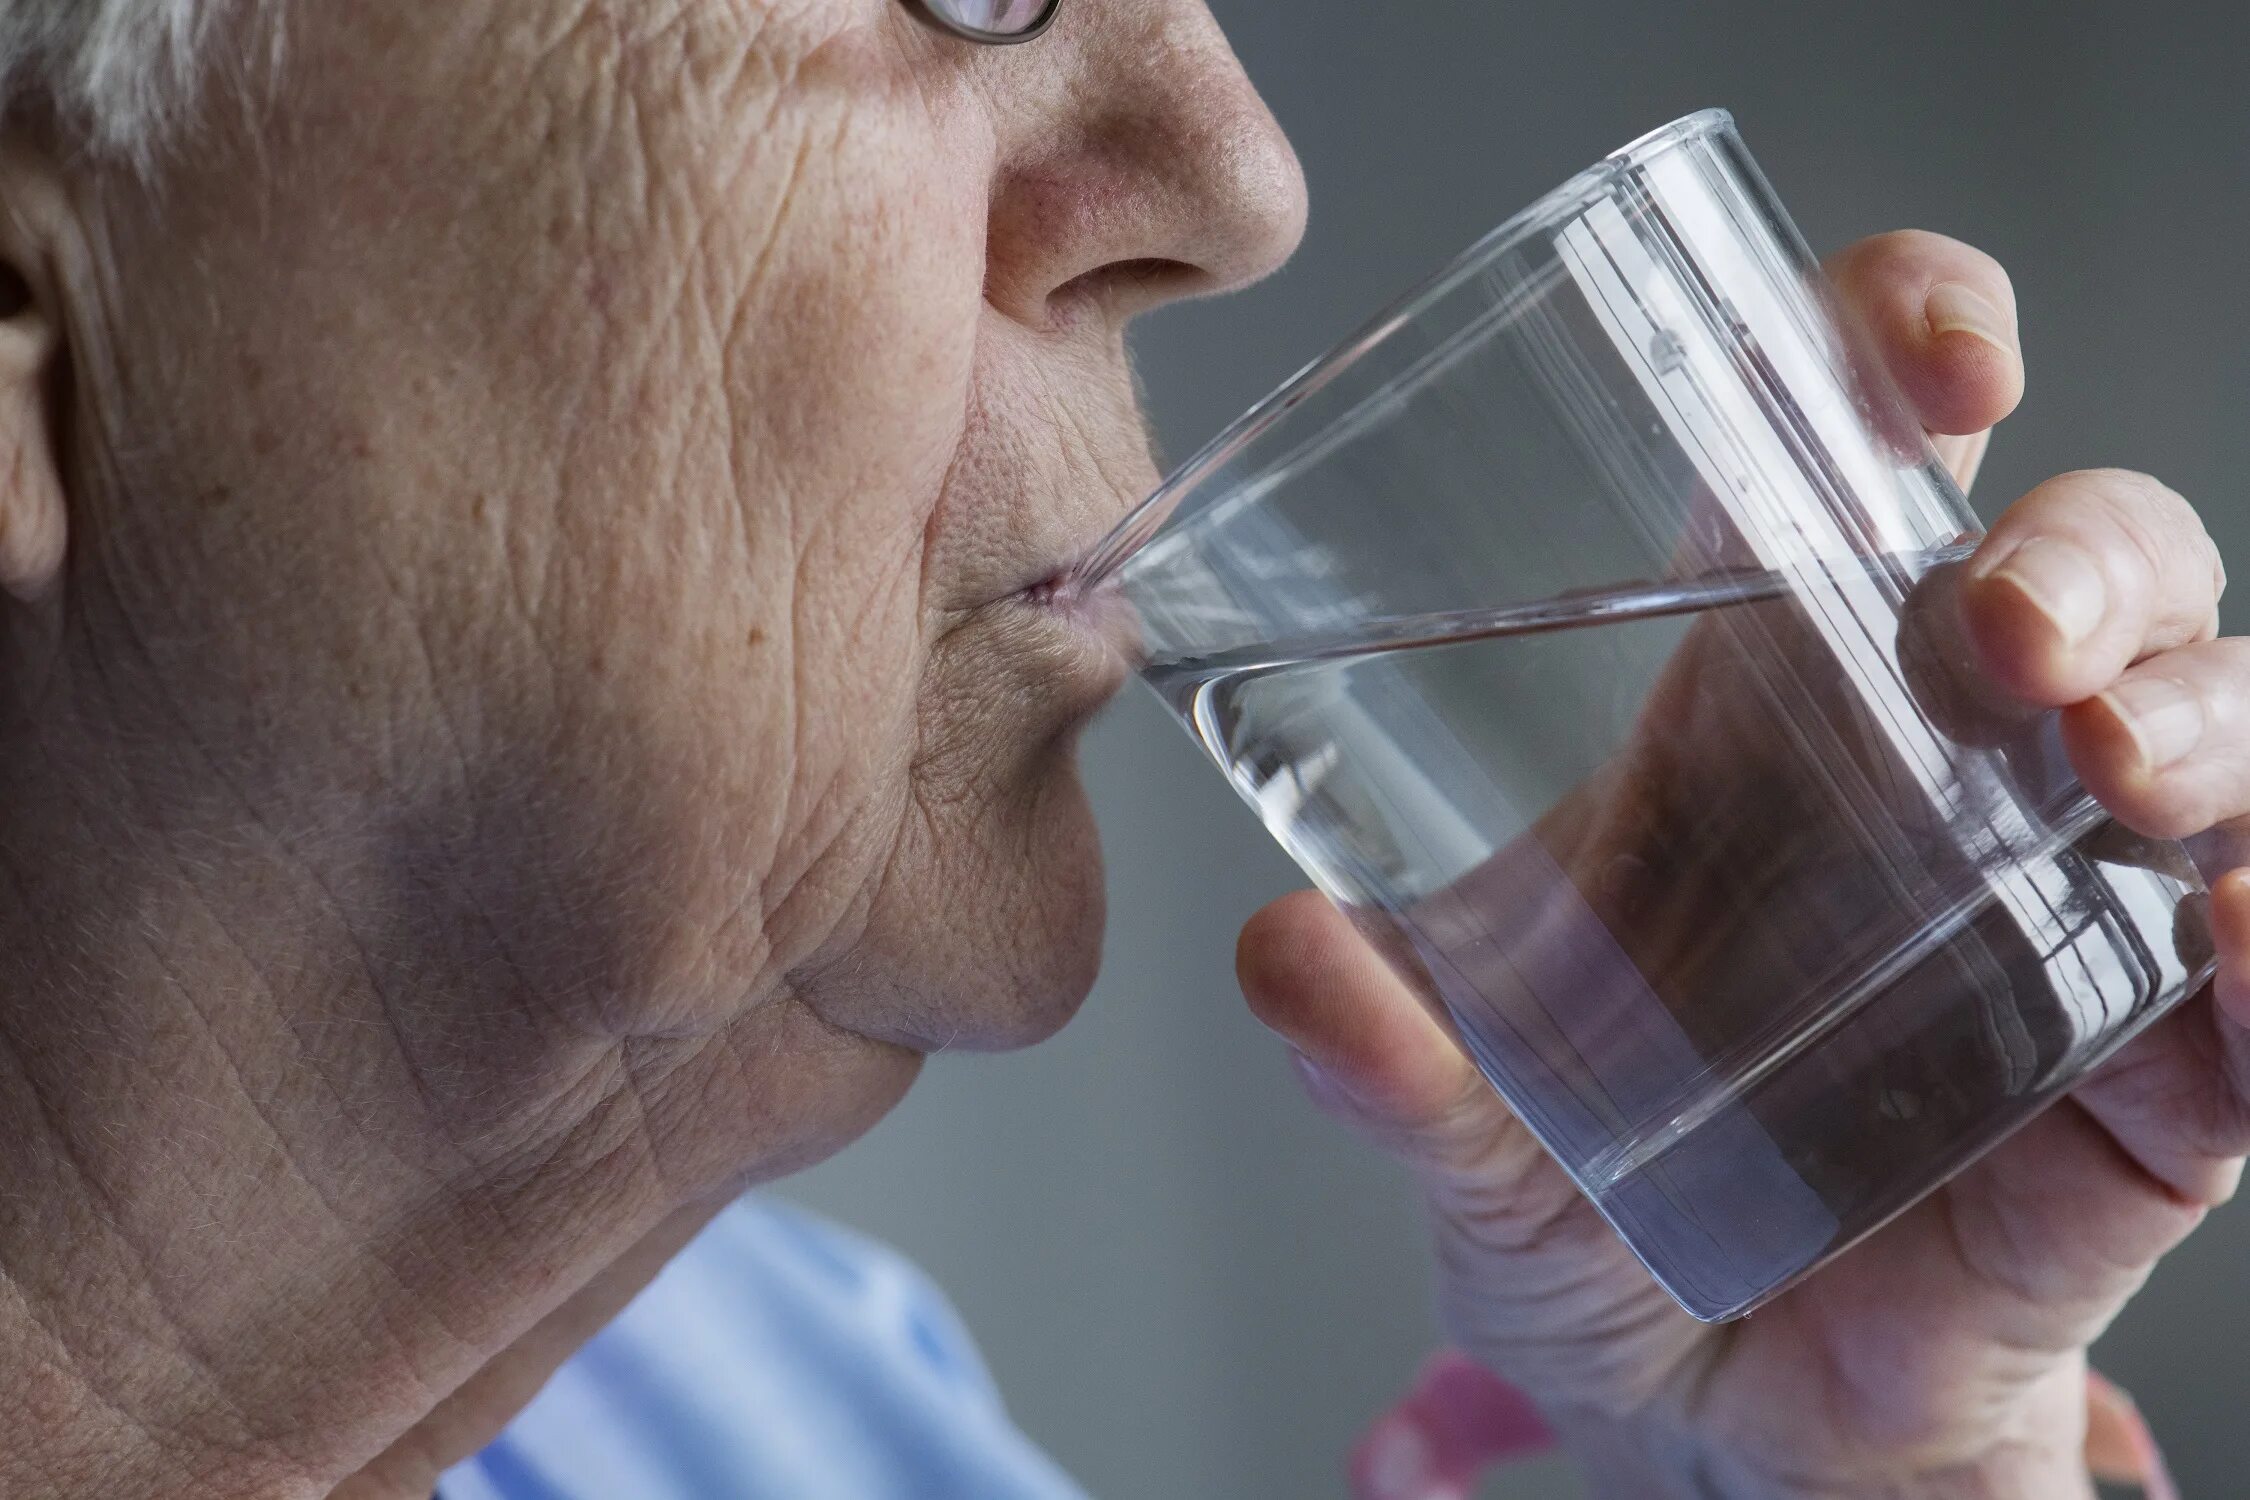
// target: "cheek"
[[850, 336], [651, 423], [801, 412]]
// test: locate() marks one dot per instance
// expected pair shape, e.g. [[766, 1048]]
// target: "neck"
[[292, 1156]]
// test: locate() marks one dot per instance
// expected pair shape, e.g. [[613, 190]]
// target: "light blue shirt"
[[776, 1358]]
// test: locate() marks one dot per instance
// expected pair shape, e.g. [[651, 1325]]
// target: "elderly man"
[[529, 706]]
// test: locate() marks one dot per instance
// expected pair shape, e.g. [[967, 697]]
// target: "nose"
[[1138, 165]]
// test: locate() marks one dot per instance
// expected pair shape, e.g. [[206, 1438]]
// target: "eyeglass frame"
[[928, 12]]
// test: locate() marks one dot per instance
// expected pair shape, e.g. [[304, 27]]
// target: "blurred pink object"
[[2119, 1445], [1460, 1420]]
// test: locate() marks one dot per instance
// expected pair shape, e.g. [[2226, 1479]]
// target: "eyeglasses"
[[996, 23]]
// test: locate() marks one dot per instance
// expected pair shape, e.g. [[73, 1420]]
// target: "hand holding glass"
[[1584, 628]]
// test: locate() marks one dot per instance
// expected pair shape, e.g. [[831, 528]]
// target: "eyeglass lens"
[[999, 17]]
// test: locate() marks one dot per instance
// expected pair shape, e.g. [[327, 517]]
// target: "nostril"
[[1132, 284]]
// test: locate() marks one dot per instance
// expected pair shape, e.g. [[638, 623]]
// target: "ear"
[[36, 223]]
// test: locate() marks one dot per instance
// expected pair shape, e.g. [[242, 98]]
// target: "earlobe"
[[34, 519]]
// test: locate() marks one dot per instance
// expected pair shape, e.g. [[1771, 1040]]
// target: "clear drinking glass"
[[1584, 628]]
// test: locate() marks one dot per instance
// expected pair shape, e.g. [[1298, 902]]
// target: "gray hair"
[[116, 72]]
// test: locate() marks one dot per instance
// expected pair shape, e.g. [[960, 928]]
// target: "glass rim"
[[1559, 203]]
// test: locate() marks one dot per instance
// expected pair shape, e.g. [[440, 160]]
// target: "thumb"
[[1378, 1055], [1942, 316], [1532, 1282], [1372, 1051]]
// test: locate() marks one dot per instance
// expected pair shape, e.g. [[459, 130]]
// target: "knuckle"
[[1901, 246], [1919, 256], [1490, 1178], [1955, 260], [1993, 1251], [1509, 1214], [2157, 529], [2131, 513], [2129, 493], [1919, 243]]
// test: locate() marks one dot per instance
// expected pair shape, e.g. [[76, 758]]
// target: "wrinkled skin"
[[528, 701], [1946, 1355]]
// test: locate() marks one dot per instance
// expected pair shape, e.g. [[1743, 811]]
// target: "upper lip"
[[1073, 577], [1057, 576], [1060, 580], [1056, 587]]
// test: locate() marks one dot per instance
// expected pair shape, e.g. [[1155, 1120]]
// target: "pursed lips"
[[1099, 609]]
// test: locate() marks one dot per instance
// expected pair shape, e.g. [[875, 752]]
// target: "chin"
[[990, 944], [1041, 942], [1052, 1005]]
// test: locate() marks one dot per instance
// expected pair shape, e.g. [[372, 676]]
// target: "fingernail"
[[2062, 582], [1954, 308], [2166, 720]]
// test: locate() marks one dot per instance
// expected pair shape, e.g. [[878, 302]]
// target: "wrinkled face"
[[605, 454]]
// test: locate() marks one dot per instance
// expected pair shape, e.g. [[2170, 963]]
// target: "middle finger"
[[2166, 747]]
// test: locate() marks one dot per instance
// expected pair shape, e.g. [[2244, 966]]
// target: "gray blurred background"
[[1188, 1283]]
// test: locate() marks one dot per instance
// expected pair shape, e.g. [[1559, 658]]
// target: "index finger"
[[1942, 316]]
